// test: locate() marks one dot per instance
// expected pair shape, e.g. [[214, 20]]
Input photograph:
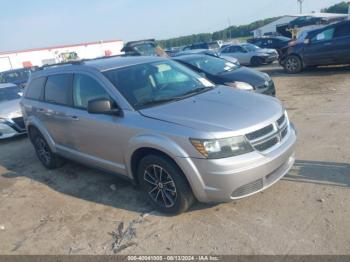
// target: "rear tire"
[[164, 184], [293, 64], [49, 159], [255, 61]]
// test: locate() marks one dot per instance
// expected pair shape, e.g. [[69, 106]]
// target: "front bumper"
[[270, 59], [222, 180], [11, 128]]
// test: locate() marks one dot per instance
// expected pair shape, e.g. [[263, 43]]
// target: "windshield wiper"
[[153, 102], [196, 91]]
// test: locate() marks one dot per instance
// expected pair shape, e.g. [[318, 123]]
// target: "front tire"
[[293, 64], [164, 184], [44, 153]]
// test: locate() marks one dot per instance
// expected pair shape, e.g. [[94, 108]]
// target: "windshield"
[[146, 49], [148, 84], [10, 93], [251, 47], [212, 65]]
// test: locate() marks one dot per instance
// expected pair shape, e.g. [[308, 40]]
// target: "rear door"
[[54, 110], [321, 49], [341, 43], [238, 53]]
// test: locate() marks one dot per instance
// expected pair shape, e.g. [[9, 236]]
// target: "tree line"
[[228, 33]]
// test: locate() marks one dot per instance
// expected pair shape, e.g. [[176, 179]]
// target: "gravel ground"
[[77, 210]]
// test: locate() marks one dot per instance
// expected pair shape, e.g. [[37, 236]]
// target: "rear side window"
[[58, 89], [343, 30], [35, 89]]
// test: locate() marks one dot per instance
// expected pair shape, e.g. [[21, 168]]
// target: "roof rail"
[[78, 62]]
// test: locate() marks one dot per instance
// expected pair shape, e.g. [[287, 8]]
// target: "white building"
[[57, 54], [271, 28]]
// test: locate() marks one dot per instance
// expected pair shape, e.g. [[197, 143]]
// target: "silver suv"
[[160, 125]]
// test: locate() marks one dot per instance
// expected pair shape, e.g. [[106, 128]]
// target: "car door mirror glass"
[[102, 106], [320, 36], [307, 41]]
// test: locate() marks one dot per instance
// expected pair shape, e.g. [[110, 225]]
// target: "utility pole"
[[300, 6], [229, 26]]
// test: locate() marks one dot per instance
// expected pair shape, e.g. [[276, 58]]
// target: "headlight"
[[241, 85], [267, 77], [222, 148]]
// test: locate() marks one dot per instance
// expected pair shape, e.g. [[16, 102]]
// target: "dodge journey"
[[162, 126]]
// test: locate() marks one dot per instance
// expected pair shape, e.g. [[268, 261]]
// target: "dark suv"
[[329, 45], [210, 46]]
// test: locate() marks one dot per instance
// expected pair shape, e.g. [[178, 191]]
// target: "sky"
[[42, 23]]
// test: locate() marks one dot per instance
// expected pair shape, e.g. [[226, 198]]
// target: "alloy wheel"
[[292, 64], [160, 186], [43, 151]]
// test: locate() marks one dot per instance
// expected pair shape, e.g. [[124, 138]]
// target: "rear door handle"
[[73, 117]]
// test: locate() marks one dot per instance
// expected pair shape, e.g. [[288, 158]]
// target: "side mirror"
[[307, 41], [102, 106]]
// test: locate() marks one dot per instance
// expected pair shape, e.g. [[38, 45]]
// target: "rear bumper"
[[223, 180]]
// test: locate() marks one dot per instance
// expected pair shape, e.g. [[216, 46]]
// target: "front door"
[[95, 137], [321, 49]]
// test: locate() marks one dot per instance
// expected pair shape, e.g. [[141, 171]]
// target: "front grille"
[[19, 122], [260, 133], [266, 145], [281, 120], [248, 188], [266, 138]]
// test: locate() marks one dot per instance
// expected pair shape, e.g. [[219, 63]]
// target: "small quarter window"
[[35, 88]]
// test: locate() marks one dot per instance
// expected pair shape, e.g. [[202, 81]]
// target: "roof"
[[4, 85], [119, 62], [59, 46], [101, 64]]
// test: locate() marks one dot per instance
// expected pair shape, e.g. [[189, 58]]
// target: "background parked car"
[[215, 45], [249, 54], [11, 120], [147, 47], [329, 45], [207, 52], [274, 42], [17, 76], [222, 72]]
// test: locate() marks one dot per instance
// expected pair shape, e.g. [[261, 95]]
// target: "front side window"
[[324, 35], [58, 89], [10, 93], [86, 89], [149, 84], [251, 47], [212, 65]]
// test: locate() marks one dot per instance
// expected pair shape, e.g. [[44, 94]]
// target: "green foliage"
[[340, 8], [230, 32]]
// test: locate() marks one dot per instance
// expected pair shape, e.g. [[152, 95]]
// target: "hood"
[[245, 74], [10, 109], [220, 111]]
